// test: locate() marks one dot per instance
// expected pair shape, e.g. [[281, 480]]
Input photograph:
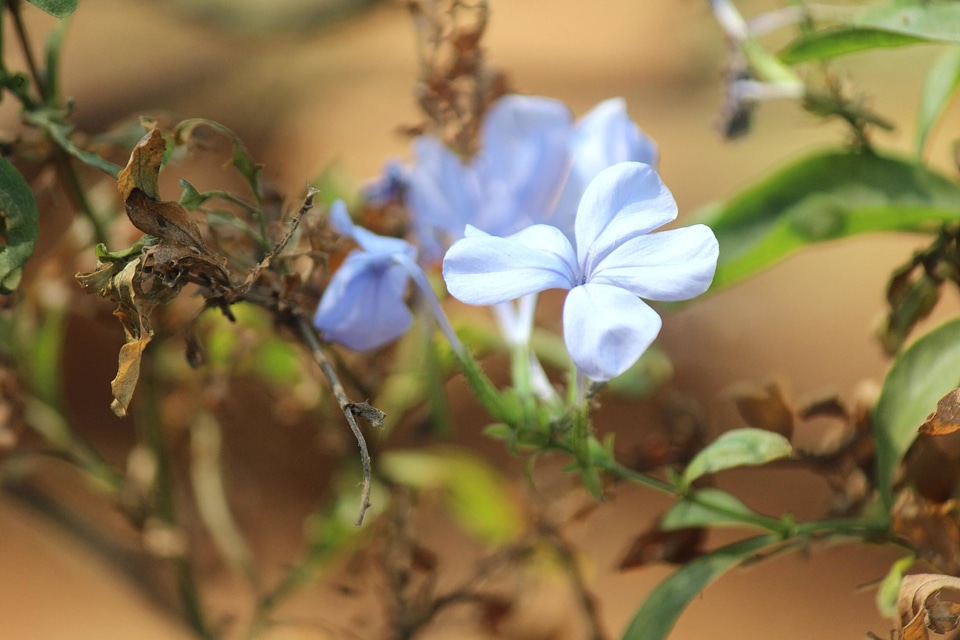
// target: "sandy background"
[[305, 99]]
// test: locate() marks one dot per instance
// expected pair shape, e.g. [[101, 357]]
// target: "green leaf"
[[941, 83], [476, 494], [191, 198], [823, 197], [920, 376], [889, 25], [278, 362], [737, 448], [889, 590], [729, 510], [54, 49], [652, 369], [662, 608], [20, 223], [56, 8], [840, 41], [240, 159]]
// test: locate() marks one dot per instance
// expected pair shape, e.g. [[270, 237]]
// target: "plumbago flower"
[[532, 167], [613, 262], [364, 305]]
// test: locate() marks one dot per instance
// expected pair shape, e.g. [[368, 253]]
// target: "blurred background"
[[308, 91]]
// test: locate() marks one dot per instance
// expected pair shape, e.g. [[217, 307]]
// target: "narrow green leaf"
[[840, 41], [889, 589], [662, 608], [56, 8], [920, 376], [21, 225], [737, 448], [729, 511], [940, 85], [823, 197], [888, 25], [54, 49], [934, 21]]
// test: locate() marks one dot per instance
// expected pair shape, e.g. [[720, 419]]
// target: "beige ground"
[[308, 99]]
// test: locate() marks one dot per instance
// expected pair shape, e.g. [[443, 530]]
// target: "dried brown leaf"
[[128, 373], [677, 547], [946, 419], [133, 315], [168, 221], [143, 169], [828, 407], [930, 528], [765, 408], [928, 601]]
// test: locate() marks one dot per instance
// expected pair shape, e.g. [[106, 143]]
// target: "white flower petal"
[[623, 201], [606, 135], [486, 270], [670, 265], [606, 329], [603, 137], [548, 239]]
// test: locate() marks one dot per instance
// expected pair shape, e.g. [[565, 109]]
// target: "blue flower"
[[532, 167], [364, 306], [613, 262]]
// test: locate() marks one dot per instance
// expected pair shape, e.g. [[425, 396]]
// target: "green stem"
[[59, 133], [151, 435], [14, 7]]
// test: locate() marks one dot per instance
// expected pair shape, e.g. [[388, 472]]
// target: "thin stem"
[[309, 336], [59, 133], [587, 600], [165, 507], [14, 7], [439, 316]]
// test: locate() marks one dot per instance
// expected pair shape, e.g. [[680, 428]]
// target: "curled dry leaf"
[[655, 545], [117, 280], [946, 419], [931, 529], [143, 170], [765, 408], [928, 601], [168, 221]]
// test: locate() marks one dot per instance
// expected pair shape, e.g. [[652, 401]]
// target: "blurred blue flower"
[[532, 167], [364, 306], [613, 262]]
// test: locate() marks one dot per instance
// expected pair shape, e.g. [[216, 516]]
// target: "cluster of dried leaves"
[[171, 255], [914, 288], [455, 85]]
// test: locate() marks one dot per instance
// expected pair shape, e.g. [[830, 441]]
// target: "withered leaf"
[[928, 601], [765, 408], [143, 170], [368, 412], [946, 419], [931, 529], [133, 315], [677, 547], [128, 373], [168, 221]]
